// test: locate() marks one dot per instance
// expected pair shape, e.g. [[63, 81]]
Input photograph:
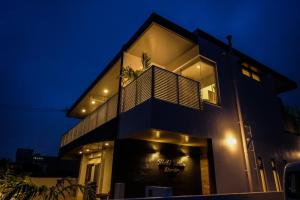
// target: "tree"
[[20, 187]]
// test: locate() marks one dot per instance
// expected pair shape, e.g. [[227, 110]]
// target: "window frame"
[[214, 63], [253, 72]]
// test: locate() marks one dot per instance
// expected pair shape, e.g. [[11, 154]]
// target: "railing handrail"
[[89, 115], [154, 66], [130, 102], [175, 74], [139, 76]]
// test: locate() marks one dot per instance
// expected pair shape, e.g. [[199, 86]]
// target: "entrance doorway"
[[180, 162], [96, 166]]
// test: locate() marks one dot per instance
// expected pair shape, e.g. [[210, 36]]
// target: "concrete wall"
[[262, 111], [215, 122], [141, 169], [260, 108], [107, 171], [81, 176]]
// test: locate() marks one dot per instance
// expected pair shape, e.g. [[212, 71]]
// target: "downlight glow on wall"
[[230, 140]]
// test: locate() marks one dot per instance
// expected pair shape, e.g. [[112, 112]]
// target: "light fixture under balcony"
[[105, 91], [83, 110]]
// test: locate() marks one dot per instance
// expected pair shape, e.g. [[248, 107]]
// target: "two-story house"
[[181, 109]]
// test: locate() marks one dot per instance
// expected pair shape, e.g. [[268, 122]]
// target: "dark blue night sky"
[[51, 50]]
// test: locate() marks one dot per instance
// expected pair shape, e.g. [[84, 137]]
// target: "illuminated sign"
[[170, 167]]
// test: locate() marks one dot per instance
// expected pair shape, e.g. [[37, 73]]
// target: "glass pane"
[[254, 69], [205, 72], [256, 77], [246, 72]]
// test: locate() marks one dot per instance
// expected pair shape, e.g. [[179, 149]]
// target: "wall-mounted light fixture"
[[184, 159], [83, 110], [231, 141], [154, 156], [105, 91]]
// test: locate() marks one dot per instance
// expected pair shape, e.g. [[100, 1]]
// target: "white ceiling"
[[161, 44]]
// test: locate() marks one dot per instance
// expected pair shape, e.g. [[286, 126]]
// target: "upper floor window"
[[251, 72], [203, 71]]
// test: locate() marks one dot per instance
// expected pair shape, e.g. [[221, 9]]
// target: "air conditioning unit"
[[156, 191]]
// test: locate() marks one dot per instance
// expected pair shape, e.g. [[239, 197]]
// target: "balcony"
[[154, 83], [101, 115]]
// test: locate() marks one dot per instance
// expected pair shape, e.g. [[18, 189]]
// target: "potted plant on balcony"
[[128, 74]]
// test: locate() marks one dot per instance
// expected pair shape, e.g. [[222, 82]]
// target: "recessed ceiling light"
[[106, 143], [105, 91], [83, 110], [93, 102]]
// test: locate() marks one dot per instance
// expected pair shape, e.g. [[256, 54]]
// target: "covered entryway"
[[159, 158], [96, 167]]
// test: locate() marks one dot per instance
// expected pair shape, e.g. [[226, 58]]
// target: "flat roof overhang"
[[105, 132], [74, 111], [283, 83]]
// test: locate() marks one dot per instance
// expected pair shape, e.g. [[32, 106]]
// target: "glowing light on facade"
[[231, 141]]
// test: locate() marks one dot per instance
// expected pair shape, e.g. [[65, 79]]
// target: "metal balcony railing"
[[156, 83], [164, 85], [101, 115]]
